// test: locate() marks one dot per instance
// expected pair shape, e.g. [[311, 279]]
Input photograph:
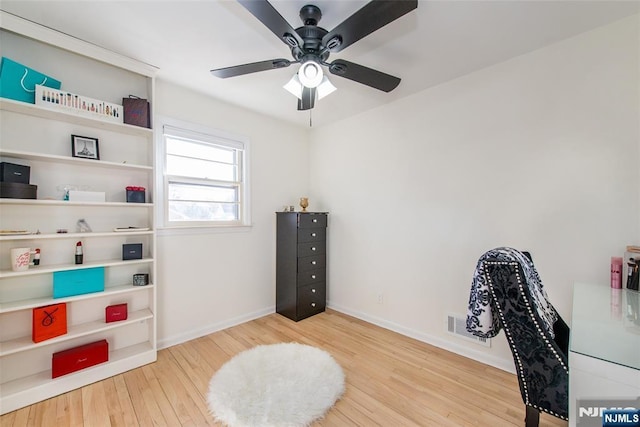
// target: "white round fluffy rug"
[[275, 385]]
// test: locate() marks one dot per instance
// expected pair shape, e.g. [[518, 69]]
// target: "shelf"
[[42, 202], [40, 386], [74, 236], [44, 269], [29, 304], [76, 331], [62, 116], [27, 155]]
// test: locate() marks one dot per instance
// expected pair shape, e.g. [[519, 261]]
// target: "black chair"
[[507, 285]]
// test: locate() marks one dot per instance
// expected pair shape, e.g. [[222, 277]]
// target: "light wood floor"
[[391, 380]]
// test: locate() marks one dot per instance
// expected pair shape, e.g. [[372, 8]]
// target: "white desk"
[[604, 349]]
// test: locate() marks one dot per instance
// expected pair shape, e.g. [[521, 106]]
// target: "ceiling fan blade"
[[254, 67], [364, 75], [265, 12], [308, 99], [373, 16]]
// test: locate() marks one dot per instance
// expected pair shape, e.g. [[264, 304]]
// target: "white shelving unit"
[[41, 138]]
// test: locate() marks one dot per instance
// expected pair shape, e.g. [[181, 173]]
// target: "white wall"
[[540, 153], [212, 280]]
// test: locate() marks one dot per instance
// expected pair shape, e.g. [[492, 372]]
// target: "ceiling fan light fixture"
[[294, 87], [310, 74], [325, 88]]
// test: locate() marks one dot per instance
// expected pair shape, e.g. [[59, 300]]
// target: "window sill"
[[193, 230]]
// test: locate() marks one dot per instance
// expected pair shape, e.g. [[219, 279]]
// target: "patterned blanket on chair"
[[482, 318]]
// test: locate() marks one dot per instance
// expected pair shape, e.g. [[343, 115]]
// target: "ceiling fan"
[[311, 46]]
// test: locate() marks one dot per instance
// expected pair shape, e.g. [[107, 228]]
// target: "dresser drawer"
[[312, 221], [312, 276], [311, 235], [311, 248], [311, 262], [311, 300]]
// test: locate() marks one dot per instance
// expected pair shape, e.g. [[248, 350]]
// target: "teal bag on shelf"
[[19, 82]]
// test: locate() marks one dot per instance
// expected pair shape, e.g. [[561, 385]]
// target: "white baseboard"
[[496, 362], [214, 327]]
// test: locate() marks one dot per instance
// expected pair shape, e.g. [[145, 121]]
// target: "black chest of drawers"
[[301, 259]]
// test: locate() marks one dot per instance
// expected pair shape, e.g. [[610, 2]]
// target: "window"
[[204, 179]]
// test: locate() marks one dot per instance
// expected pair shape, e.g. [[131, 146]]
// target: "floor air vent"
[[457, 325]]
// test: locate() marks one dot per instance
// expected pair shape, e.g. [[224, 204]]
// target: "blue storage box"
[[77, 282]]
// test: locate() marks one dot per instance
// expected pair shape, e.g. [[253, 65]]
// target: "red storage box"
[[77, 358], [115, 313]]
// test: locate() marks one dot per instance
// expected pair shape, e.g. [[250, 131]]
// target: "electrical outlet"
[[380, 298]]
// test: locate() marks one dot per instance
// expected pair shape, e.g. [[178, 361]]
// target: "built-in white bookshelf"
[[40, 137]]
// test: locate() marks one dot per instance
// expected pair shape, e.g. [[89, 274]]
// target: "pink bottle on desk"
[[616, 272]]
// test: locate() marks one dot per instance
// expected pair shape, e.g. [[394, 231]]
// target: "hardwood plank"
[[154, 387], [121, 401], [9, 419], [143, 401], [181, 393], [391, 380], [95, 409], [199, 361], [69, 408], [43, 414], [20, 418]]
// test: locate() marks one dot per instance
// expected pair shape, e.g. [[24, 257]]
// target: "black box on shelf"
[[10, 172], [135, 196], [131, 251], [17, 190]]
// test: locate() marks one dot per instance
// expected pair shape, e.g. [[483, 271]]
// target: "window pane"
[[201, 193], [200, 150], [202, 211], [204, 169]]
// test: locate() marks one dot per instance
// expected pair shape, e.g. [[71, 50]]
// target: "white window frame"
[[207, 135]]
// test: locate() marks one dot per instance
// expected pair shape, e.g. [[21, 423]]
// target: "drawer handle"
[[313, 262], [314, 220], [313, 248], [313, 276], [313, 234], [313, 304], [313, 291]]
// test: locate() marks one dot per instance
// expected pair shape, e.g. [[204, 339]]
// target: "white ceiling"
[[439, 41]]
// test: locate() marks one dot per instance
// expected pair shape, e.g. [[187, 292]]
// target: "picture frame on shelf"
[[85, 147]]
